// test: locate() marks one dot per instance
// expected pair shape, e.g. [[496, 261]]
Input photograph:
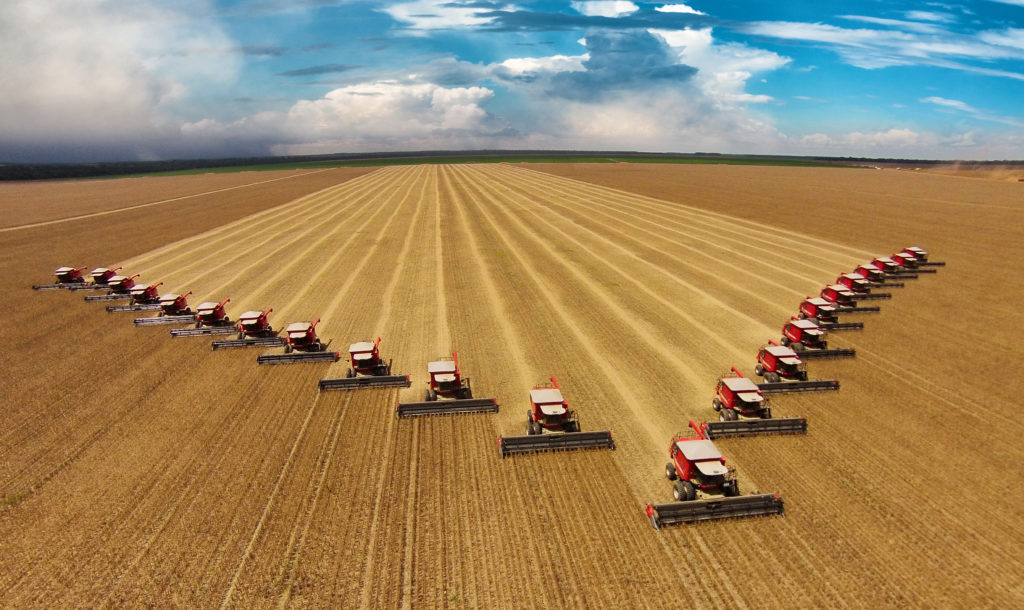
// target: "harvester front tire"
[[730, 415], [670, 472], [797, 346], [683, 491], [772, 377], [288, 348]]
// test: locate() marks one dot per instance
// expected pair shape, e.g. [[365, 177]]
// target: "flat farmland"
[[140, 470]]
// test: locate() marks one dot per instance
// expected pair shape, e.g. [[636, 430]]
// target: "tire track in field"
[[710, 233], [262, 258], [270, 502], [198, 250], [330, 267], [623, 219], [299, 535], [154, 203], [625, 253], [778, 237]]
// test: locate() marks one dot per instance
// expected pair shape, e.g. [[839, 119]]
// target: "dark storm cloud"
[[528, 21], [621, 61], [317, 70]]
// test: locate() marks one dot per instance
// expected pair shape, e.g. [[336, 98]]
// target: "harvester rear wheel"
[[670, 471], [785, 341], [716, 404], [759, 370]]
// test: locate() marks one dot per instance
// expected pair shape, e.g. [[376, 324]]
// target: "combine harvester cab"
[[922, 257], [119, 288], [254, 330], [174, 309], [808, 339], [367, 370], [549, 411], [211, 319], [301, 345], [892, 268], [447, 392], [65, 277], [697, 466], [854, 283], [143, 298], [784, 371]]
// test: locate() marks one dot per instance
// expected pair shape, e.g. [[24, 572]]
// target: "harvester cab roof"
[[917, 251], [704, 455], [442, 371], [548, 400], [821, 303], [784, 354], [64, 270], [743, 389], [363, 350], [297, 330], [249, 317], [205, 309]]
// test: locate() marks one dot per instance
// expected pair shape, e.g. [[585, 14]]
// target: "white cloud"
[[857, 143], [678, 8], [1010, 37], [722, 69], [436, 14], [604, 8], [956, 104], [534, 65], [923, 28], [383, 115], [873, 49], [105, 73], [929, 16]]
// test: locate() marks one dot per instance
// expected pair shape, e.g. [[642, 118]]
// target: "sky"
[[107, 80]]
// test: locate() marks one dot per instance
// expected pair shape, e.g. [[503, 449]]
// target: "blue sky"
[[93, 80]]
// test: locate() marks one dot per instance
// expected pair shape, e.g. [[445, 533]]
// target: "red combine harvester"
[[842, 300], [549, 411], [808, 339], [66, 277], [908, 263], [922, 257], [119, 287], [736, 396], [100, 279], [819, 310], [743, 411], [301, 345], [784, 371], [854, 283], [144, 298], [367, 370], [698, 467], [447, 392], [254, 330], [174, 309], [877, 278], [211, 319]]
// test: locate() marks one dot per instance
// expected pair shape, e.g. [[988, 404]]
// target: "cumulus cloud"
[[382, 115], [619, 61], [98, 79], [678, 8]]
